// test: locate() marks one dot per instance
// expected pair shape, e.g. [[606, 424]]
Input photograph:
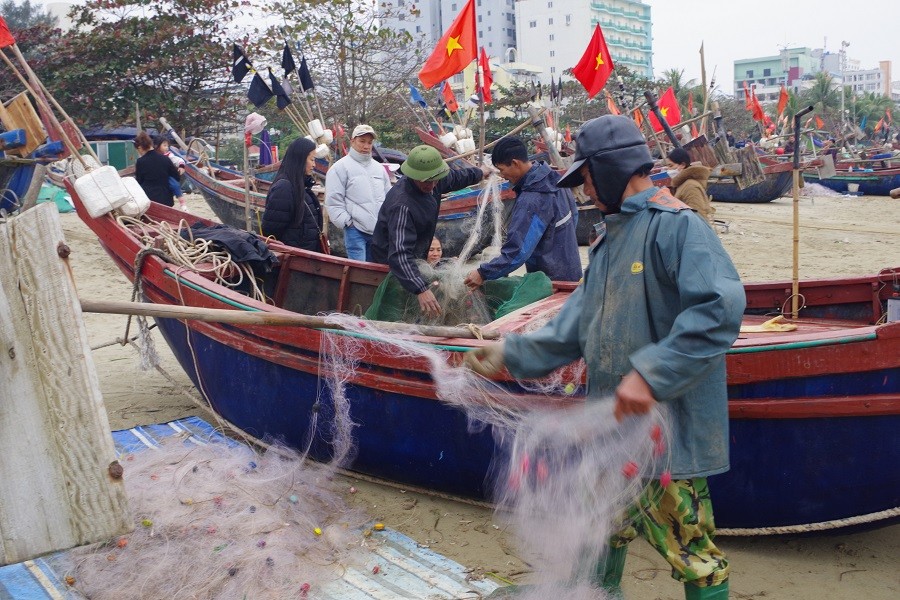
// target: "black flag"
[[306, 81], [259, 92], [240, 64], [281, 97], [552, 89], [287, 60]]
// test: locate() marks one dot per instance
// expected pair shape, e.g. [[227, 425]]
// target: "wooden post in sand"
[[61, 484]]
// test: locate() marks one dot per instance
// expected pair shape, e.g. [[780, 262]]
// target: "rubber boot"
[[610, 570], [711, 592]]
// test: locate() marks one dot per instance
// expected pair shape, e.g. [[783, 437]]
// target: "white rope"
[[822, 526], [195, 254]]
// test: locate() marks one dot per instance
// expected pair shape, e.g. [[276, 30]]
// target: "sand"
[[839, 235]]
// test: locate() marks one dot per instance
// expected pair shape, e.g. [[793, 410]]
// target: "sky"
[[735, 29]]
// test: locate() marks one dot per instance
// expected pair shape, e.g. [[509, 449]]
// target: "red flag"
[[756, 108], [550, 119], [747, 102], [890, 119], [454, 51], [487, 78], [879, 124], [668, 106], [568, 137], [611, 105], [782, 101], [819, 122], [6, 38], [694, 132], [595, 66], [691, 104], [449, 98]]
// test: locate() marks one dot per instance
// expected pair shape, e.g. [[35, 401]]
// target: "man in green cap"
[[408, 218]]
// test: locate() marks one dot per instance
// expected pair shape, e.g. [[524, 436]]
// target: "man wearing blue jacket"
[[541, 229], [660, 304]]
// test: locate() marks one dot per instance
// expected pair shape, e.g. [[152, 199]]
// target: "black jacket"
[[406, 224], [152, 171], [295, 222]]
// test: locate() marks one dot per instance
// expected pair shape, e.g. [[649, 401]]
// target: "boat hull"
[[867, 184], [812, 419]]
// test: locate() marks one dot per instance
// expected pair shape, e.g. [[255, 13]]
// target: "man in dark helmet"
[[677, 309]]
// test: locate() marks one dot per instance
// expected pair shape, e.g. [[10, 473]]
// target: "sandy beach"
[[839, 236]]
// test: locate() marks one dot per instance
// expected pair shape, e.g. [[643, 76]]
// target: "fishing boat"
[[868, 182], [814, 412], [223, 190]]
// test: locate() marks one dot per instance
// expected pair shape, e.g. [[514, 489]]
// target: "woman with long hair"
[[293, 215]]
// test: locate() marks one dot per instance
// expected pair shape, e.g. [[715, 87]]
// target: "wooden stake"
[[62, 485], [242, 317]]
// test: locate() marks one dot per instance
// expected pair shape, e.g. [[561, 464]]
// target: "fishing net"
[[493, 300], [564, 471]]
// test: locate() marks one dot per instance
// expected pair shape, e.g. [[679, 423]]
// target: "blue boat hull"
[[773, 186], [870, 184]]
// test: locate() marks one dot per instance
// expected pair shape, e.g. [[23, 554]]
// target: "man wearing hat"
[[660, 304], [355, 187], [409, 215]]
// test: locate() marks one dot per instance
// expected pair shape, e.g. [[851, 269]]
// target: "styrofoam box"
[[101, 190], [138, 203]]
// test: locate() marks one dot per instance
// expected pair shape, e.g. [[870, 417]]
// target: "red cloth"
[[611, 105], [595, 65], [6, 38], [782, 101], [449, 98], [668, 106], [454, 51], [487, 77]]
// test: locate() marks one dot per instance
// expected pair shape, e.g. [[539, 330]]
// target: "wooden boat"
[[814, 412], [869, 182], [224, 192]]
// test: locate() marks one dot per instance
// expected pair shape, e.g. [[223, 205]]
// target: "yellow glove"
[[487, 360]]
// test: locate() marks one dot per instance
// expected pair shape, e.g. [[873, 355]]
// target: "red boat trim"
[[815, 408]]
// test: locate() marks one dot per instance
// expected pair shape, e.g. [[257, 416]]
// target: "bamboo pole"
[[46, 108], [241, 317], [247, 225], [705, 92]]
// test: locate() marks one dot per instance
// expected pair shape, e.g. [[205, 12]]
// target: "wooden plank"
[[751, 171], [699, 151], [18, 113], [54, 435]]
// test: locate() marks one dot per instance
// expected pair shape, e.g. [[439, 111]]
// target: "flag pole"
[[480, 92], [412, 107], [703, 80], [707, 96]]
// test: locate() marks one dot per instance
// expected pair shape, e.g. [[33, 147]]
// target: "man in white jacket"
[[354, 191]]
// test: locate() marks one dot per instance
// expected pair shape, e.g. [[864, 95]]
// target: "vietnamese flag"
[[668, 106], [487, 78], [782, 101], [595, 66], [454, 51]]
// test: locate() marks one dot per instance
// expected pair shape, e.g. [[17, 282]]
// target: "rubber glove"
[[487, 360]]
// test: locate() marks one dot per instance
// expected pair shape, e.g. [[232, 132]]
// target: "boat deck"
[[807, 330]]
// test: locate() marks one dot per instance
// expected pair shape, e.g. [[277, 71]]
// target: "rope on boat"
[[809, 527], [195, 254]]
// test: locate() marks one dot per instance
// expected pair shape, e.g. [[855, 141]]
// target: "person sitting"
[[153, 170], [690, 183], [541, 229], [293, 215], [435, 252], [408, 218]]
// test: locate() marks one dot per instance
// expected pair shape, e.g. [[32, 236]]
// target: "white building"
[[428, 19], [555, 33]]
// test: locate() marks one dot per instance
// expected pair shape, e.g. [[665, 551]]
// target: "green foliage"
[[168, 57]]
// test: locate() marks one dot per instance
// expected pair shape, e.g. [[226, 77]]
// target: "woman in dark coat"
[[152, 170], [293, 215]]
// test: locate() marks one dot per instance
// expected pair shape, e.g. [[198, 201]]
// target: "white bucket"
[[853, 188], [101, 191], [323, 151], [448, 139], [315, 128], [327, 137], [138, 203]]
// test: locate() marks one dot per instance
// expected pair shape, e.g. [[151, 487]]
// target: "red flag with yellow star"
[[668, 106], [595, 66], [454, 51]]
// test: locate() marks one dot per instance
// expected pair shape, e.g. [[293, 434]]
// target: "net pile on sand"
[[223, 521]]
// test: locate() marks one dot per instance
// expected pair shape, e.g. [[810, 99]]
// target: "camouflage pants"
[[678, 523]]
